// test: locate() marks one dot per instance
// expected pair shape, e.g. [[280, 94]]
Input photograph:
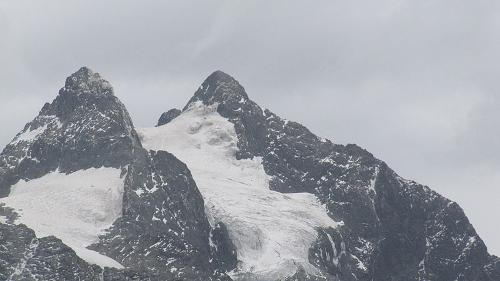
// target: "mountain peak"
[[87, 81], [220, 76], [219, 87], [85, 126]]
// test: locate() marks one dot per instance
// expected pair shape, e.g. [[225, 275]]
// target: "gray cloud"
[[414, 82]]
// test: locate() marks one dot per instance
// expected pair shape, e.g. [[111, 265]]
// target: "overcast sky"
[[414, 82]]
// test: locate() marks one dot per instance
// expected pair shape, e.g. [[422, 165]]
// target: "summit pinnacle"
[[87, 81], [219, 87]]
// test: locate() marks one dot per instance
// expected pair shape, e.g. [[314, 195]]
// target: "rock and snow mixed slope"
[[272, 231]]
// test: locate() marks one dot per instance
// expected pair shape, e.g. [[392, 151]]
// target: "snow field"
[[74, 207]]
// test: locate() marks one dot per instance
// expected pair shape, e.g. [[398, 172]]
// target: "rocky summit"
[[220, 190]]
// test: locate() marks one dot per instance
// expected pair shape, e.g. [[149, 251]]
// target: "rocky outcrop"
[[168, 116]]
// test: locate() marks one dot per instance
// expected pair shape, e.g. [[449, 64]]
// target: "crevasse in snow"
[[272, 231]]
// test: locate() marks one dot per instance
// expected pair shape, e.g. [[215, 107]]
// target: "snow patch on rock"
[[272, 231], [30, 134], [74, 207]]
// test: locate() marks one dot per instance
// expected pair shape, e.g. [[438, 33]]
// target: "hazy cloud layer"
[[414, 82]]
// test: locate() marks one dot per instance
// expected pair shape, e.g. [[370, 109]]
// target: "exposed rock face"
[[168, 116], [25, 257], [393, 228], [163, 232], [223, 249]]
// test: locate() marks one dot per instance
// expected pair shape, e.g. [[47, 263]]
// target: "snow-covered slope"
[[272, 231], [74, 207]]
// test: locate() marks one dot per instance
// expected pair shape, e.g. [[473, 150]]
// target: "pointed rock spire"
[[219, 87], [85, 126], [87, 81], [84, 89]]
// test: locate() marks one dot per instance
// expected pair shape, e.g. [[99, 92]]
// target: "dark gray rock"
[[25, 257], [222, 248], [493, 268], [394, 229], [168, 116], [301, 275], [330, 254]]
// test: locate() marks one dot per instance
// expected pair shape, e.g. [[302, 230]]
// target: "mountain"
[[79, 179], [220, 190], [382, 226]]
